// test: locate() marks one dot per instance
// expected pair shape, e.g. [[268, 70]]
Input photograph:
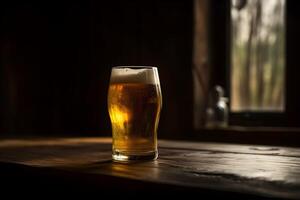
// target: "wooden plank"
[[233, 148], [52, 152], [258, 170]]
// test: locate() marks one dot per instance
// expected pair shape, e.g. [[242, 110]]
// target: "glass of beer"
[[134, 105]]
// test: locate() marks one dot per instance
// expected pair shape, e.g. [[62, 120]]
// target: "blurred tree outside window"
[[257, 76]]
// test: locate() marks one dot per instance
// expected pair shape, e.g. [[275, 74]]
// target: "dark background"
[[56, 58]]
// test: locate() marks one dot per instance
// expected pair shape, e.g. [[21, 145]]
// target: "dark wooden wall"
[[56, 58]]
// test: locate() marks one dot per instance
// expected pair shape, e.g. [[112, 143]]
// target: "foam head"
[[146, 75]]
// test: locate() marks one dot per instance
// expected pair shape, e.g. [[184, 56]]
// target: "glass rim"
[[134, 67]]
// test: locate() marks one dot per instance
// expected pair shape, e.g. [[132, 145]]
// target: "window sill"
[[255, 129], [281, 136]]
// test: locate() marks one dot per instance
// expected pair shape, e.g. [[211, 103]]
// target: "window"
[[252, 50], [257, 76]]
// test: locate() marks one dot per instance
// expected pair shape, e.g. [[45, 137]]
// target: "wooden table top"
[[261, 171]]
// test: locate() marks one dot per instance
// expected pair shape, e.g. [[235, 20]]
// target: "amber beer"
[[134, 104]]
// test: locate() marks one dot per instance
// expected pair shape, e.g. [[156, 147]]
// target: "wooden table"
[[84, 164]]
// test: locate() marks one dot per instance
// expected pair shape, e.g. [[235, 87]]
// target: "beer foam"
[[134, 75]]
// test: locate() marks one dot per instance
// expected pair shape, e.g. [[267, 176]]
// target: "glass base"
[[125, 157]]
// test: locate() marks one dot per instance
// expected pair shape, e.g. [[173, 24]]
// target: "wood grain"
[[263, 171]]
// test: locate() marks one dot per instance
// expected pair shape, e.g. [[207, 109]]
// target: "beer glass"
[[134, 105]]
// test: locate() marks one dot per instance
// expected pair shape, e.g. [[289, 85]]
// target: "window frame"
[[220, 15]]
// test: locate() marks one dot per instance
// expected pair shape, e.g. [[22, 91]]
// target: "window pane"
[[257, 55]]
